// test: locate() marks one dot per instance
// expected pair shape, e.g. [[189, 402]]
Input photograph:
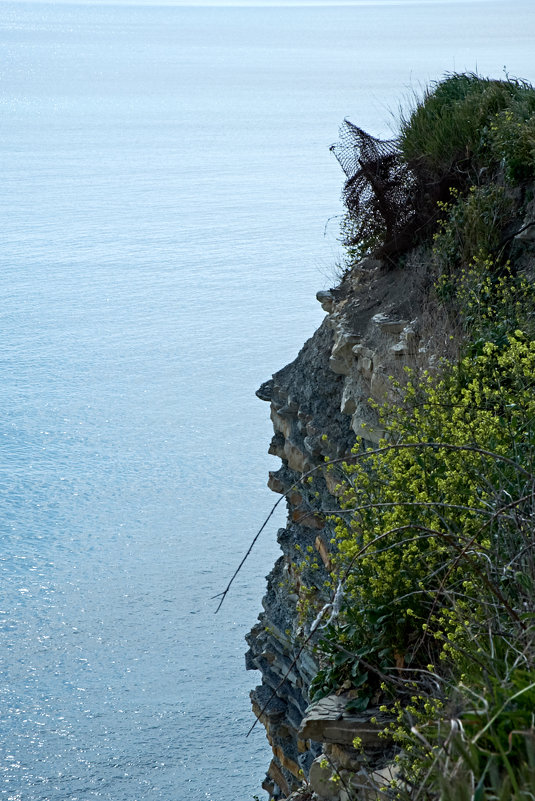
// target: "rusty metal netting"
[[379, 186]]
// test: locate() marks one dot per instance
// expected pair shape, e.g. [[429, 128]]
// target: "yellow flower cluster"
[[423, 509]]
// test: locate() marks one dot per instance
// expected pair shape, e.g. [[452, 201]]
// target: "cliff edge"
[[377, 323], [439, 284]]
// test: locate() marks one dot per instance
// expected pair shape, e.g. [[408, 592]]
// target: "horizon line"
[[245, 3]]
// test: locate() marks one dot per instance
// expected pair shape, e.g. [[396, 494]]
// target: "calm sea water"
[[166, 183]]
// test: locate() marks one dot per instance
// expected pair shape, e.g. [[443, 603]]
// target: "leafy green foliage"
[[435, 544], [490, 301], [466, 123], [482, 745], [471, 226], [467, 144], [455, 453], [436, 551], [512, 139]]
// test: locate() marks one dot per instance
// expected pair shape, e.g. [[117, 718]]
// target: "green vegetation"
[[465, 159], [435, 550], [466, 125], [435, 544], [471, 225]]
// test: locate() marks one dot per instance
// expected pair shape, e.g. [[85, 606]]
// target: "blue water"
[[166, 184]]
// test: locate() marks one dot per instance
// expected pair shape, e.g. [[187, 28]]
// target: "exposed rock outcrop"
[[377, 322]]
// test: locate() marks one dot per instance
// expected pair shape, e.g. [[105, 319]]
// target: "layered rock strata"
[[377, 323]]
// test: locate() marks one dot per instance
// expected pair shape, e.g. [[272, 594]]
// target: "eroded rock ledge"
[[377, 322]]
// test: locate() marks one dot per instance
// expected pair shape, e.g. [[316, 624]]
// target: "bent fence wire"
[[379, 190]]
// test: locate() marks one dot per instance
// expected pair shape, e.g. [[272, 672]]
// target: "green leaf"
[[361, 678], [359, 704]]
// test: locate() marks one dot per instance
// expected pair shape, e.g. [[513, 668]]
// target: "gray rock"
[[327, 300], [321, 777], [265, 390], [388, 325], [328, 721]]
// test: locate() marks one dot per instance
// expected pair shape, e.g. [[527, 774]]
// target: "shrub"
[[435, 551], [471, 135], [512, 141], [424, 512], [435, 544], [466, 124], [471, 226]]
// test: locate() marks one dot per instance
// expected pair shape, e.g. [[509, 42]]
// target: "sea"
[[168, 209]]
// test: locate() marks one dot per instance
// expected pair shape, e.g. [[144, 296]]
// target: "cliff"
[[377, 323], [440, 283]]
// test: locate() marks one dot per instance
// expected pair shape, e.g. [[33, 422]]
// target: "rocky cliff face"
[[377, 322]]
